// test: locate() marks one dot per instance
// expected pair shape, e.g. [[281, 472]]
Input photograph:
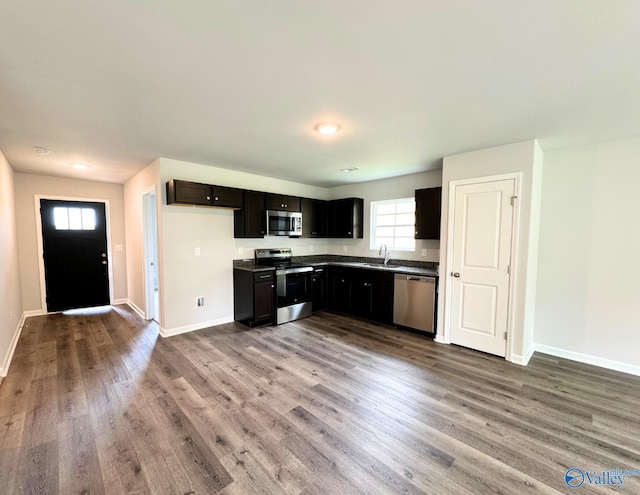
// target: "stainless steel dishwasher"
[[414, 301]]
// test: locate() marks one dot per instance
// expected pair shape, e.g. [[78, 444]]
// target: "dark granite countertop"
[[409, 267]]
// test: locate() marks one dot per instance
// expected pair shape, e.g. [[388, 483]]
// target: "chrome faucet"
[[387, 256]]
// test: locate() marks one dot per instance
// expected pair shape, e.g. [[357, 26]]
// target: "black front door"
[[74, 236]]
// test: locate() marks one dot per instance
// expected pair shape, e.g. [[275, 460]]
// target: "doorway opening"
[[75, 254], [150, 233]]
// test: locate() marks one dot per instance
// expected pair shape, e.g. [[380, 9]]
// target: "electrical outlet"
[[240, 251], [311, 248], [344, 249], [199, 302], [424, 252], [197, 251], [11, 315]]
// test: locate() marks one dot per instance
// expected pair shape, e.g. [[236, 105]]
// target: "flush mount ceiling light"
[[327, 128], [351, 169], [80, 166], [41, 151]]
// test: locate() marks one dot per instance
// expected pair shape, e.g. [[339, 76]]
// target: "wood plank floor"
[[98, 403]]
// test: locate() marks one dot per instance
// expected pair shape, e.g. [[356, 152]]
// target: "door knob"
[[455, 274]]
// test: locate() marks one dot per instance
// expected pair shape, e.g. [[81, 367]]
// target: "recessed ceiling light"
[[327, 128], [41, 151], [80, 166], [352, 169]]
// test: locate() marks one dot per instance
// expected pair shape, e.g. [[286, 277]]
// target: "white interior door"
[[482, 231], [151, 256]]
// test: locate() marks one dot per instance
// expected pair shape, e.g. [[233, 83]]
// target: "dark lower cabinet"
[[250, 221], [340, 289], [372, 295], [319, 285], [366, 293], [254, 297]]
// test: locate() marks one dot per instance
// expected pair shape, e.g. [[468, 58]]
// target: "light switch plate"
[[197, 251], [424, 251]]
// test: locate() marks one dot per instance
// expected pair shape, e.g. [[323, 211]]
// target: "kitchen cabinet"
[[254, 297], [372, 295], [184, 192], [281, 202], [345, 218], [314, 217], [340, 289], [250, 221], [319, 283], [227, 197], [428, 206], [189, 193]]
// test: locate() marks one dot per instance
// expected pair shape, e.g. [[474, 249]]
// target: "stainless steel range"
[[293, 283]]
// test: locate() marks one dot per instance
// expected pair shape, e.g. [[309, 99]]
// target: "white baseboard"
[[192, 328], [135, 308], [120, 301], [440, 339], [33, 312], [6, 362], [523, 360], [588, 359]]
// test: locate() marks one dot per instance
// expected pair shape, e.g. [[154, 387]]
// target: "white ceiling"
[[240, 84]]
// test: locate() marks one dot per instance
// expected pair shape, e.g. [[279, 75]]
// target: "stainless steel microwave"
[[284, 223]]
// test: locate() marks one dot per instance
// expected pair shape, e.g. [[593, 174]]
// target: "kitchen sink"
[[379, 265]]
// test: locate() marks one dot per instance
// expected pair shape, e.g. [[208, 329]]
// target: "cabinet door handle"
[[208, 197], [264, 276], [216, 198], [272, 286]]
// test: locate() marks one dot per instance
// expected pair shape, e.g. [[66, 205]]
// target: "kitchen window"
[[393, 223]]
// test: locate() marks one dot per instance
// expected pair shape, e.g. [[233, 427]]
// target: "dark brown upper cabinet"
[[428, 205], [282, 203], [345, 218], [189, 193], [184, 192], [250, 221], [314, 217], [227, 197]]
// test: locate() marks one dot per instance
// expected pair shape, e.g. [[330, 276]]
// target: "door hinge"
[[513, 200], [509, 269], [505, 335]]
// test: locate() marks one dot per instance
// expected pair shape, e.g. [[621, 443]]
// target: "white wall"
[[10, 296], [26, 187], [186, 276], [588, 270], [378, 190], [134, 189], [525, 158]]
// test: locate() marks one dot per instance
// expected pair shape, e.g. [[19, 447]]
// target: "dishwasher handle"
[[413, 278]]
